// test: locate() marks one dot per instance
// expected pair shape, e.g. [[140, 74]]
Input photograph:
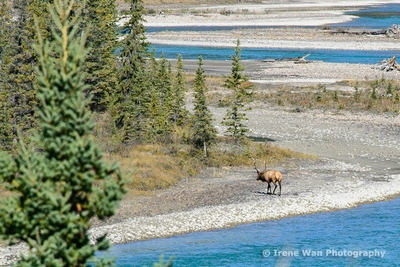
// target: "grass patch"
[[151, 167], [193, 2], [159, 166], [376, 96]]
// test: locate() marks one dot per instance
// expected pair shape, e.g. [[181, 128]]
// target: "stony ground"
[[357, 144], [358, 163]]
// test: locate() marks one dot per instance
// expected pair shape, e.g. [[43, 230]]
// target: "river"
[[365, 236], [374, 18]]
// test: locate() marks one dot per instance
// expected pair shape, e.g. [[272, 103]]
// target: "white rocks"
[[339, 196]]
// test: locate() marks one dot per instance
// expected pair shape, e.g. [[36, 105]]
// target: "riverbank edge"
[[219, 217], [281, 13], [227, 216]]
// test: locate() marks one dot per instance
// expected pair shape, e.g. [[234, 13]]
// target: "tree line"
[[144, 97], [58, 67]]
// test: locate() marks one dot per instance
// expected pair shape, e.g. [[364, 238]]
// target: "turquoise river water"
[[365, 236], [374, 18]]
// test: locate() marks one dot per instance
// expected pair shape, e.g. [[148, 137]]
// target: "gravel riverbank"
[[358, 163]]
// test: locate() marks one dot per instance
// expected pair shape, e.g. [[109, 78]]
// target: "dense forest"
[[144, 97]]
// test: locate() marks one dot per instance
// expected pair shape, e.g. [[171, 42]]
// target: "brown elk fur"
[[270, 176]]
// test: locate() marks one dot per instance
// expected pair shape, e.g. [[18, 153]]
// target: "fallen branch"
[[392, 31], [295, 59], [302, 60]]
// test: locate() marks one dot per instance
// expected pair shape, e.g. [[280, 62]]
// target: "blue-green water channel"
[[378, 17], [365, 236], [374, 18], [218, 53]]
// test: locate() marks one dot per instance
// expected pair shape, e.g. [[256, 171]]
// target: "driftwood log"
[[389, 64], [296, 60], [392, 31], [302, 59]]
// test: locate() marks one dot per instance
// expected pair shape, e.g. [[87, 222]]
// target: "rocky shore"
[[358, 163]]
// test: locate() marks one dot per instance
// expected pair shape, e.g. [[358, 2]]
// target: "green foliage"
[[18, 59], [131, 98], [161, 263], [373, 93], [5, 20], [6, 135], [389, 90], [162, 98], [61, 182], [179, 113], [204, 132], [357, 93], [335, 96], [238, 83], [100, 63]]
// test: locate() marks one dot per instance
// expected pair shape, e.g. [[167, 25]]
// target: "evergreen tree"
[[238, 83], [163, 95], [6, 137], [100, 63], [204, 132], [5, 21], [63, 182], [18, 60], [131, 97], [178, 111], [5, 34], [157, 118]]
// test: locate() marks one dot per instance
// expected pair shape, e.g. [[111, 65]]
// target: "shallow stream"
[[374, 18]]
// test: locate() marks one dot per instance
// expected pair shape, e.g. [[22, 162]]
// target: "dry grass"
[[149, 167], [182, 6], [225, 153], [158, 166], [375, 96], [193, 2]]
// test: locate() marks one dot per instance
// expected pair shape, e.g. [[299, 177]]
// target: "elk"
[[269, 176]]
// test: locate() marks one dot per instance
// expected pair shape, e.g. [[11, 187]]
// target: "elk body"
[[269, 176]]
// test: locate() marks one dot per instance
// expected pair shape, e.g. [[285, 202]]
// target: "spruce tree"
[[163, 93], [62, 181], [100, 63], [237, 82], [18, 59], [179, 112], [6, 135], [131, 97], [204, 132], [5, 21]]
